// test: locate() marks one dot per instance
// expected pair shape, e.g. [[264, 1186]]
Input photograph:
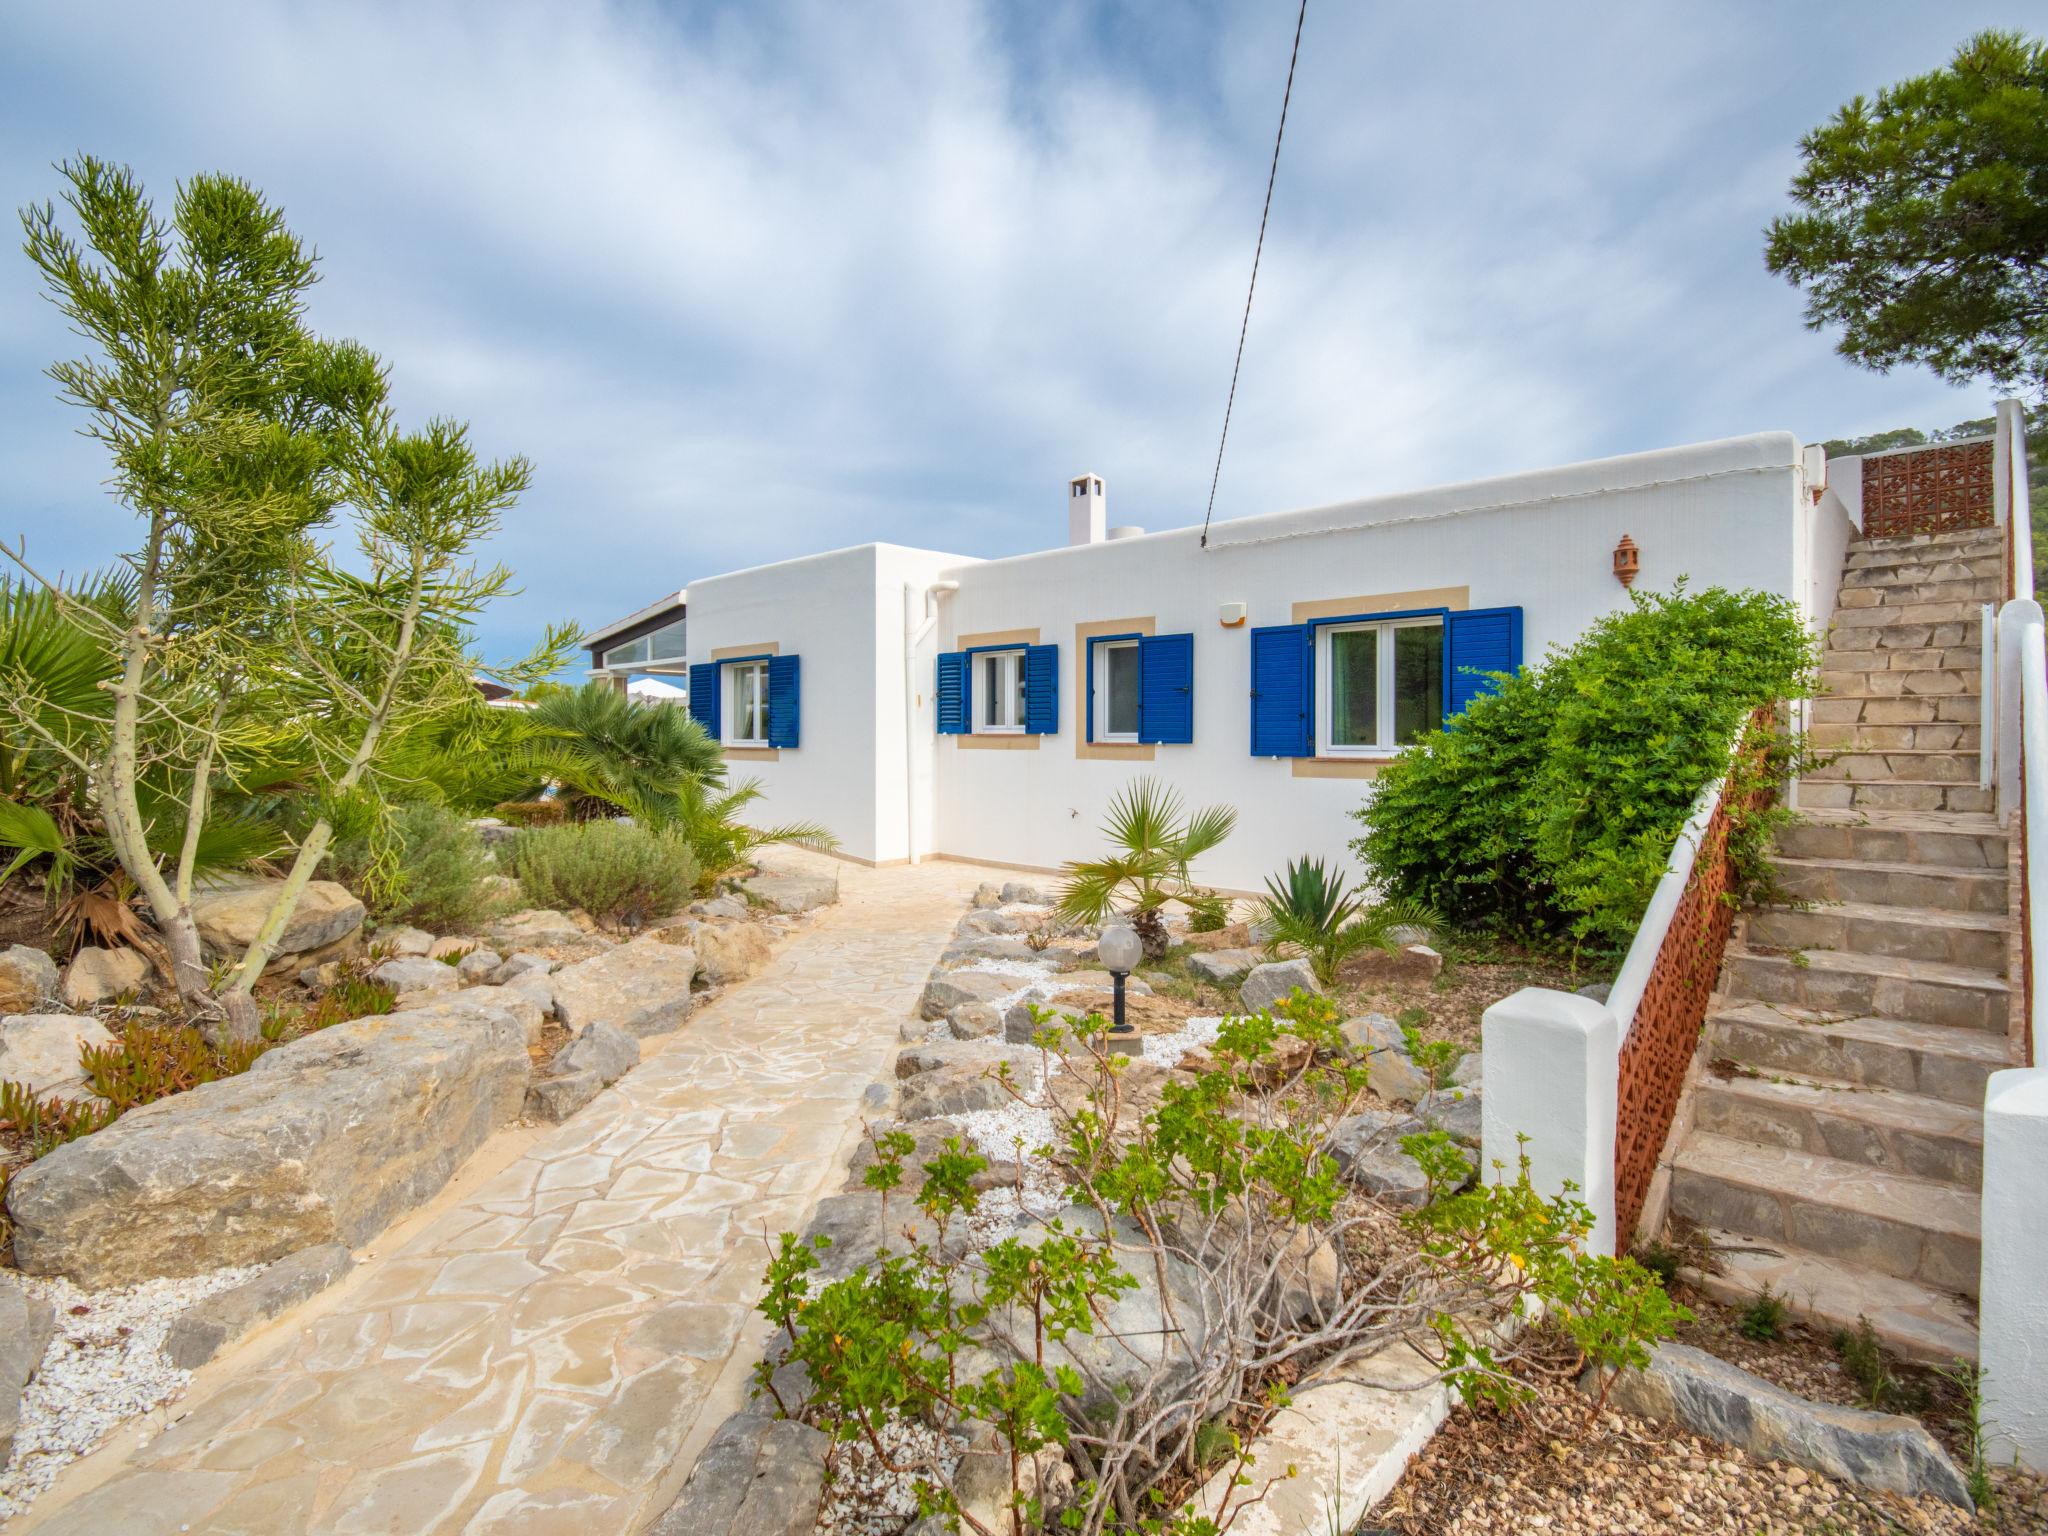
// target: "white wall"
[[1725, 513]]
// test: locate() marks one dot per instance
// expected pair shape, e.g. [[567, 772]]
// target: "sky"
[[750, 281]]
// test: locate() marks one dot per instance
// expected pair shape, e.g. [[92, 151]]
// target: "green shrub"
[[1764, 1318], [621, 873], [426, 867], [1551, 806]]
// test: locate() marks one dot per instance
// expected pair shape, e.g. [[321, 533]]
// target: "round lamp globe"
[[1120, 949]]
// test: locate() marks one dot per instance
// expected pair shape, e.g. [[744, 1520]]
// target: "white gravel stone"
[[1167, 1050], [104, 1366], [867, 1499]]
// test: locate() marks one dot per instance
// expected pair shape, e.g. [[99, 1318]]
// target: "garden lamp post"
[[1120, 949]]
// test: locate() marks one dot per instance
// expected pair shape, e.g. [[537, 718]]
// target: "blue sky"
[[746, 281]]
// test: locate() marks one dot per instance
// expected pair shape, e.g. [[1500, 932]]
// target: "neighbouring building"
[[926, 703]]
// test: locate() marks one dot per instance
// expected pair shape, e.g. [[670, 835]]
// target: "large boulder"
[[1391, 1071], [41, 1050], [525, 963], [1222, 966], [949, 989], [202, 1331], [230, 912], [985, 946], [326, 1140], [974, 1021], [642, 987], [28, 979], [416, 976], [609, 1052], [730, 952], [535, 928], [914, 1061], [1367, 1147], [401, 942], [757, 1476], [476, 967], [1149, 1014], [26, 1324], [956, 1088], [793, 890], [1454, 1111], [1710, 1397], [1274, 982], [97, 976], [485, 1004]]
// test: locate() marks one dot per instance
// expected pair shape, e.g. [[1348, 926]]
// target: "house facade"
[[922, 703]]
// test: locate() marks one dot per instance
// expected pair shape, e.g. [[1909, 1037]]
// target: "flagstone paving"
[[545, 1353]]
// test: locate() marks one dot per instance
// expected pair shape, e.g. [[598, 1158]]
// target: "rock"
[[1261, 930], [1229, 936], [730, 952], [877, 1098], [1599, 991], [1710, 1397], [1454, 1111], [322, 978], [983, 1482], [28, 979], [26, 1324], [1222, 966], [452, 947], [475, 968], [1018, 892], [793, 891], [949, 989], [974, 1021], [557, 1097], [416, 976], [642, 987], [730, 908], [1470, 1072], [853, 1223], [988, 894], [1393, 1073], [919, 1059], [230, 912], [756, 1477], [536, 985], [524, 963], [985, 946], [1411, 963], [97, 976], [1367, 1147], [1274, 982], [402, 943], [957, 1088], [41, 1050], [328, 1139], [999, 923], [610, 1053], [486, 1005], [535, 928], [202, 1331]]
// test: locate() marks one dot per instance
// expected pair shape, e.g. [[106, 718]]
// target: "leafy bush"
[[620, 872], [426, 866], [1552, 805]]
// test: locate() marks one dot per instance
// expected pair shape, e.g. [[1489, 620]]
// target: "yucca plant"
[[1313, 910], [1154, 845]]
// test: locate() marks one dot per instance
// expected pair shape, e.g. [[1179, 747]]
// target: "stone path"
[[549, 1349]]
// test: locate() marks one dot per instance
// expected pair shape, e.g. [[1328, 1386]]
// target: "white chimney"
[[1087, 510]]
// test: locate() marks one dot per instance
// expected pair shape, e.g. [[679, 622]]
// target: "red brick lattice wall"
[[1666, 1029], [1927, 490]]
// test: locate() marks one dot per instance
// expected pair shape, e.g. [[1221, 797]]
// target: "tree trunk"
[[1151, 930]]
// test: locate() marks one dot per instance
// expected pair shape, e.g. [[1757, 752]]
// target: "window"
[[625, 655], [999, 692], [1117, 673], [747, 719], [1381, 684], [667, 643]]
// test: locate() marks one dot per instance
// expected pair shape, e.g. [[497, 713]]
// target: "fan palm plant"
[[1154, 843], [709, 817], [1313, 910], [611, 756]]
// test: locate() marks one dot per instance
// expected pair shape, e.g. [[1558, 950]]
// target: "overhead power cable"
[[1245, 324]]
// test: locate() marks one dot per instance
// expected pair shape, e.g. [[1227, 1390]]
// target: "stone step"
[[1895, 795], [1901, 674], [1916, 1322], [1918, 765], [1896, 837], [1956, 544], [1853, 645], [1902, 588], [1939, 614], [1879, 986], [1902, 1132], [1880, 568], [1895, 709], [1976, 940], [1894, 885], [1914, 1229], [1939, 736], [1925, 1059]]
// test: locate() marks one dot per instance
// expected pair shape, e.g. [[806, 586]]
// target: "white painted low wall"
[[1551, 1062], [2012, 1307]]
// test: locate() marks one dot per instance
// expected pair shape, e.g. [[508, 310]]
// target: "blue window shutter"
[[1166, 689], [950, 696], [1476, 642], [1280, 691], [1041, 690], [785, 701], [704, 702]]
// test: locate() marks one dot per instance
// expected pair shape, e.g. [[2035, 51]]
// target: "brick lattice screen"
[[1927, 490], [1666, 1029]]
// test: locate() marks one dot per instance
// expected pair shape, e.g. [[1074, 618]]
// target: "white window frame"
[[1100, 689], [1326, 674], [987, 721], [734, 670]]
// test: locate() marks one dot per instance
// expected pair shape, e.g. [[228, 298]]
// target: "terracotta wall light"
[[1627, 561]]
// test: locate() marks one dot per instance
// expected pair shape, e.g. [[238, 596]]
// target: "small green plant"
[[1968, 1380], [1208, 911], [1436, 1059], [1763, 1320], [47, 1124], [1313, 909], [1661, 1260], [621, 873], [1869, 1365]]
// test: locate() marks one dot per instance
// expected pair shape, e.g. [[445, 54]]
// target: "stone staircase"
[[1835, 1144]]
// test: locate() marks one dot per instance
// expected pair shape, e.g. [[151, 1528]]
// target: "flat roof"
[[597, 637]]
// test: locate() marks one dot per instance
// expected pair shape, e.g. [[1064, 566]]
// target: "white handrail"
[[2012, 504]]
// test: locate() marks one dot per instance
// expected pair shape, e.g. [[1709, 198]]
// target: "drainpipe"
[[912, 639]]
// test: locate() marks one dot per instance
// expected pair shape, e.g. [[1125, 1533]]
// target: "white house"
[[922, 703]]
